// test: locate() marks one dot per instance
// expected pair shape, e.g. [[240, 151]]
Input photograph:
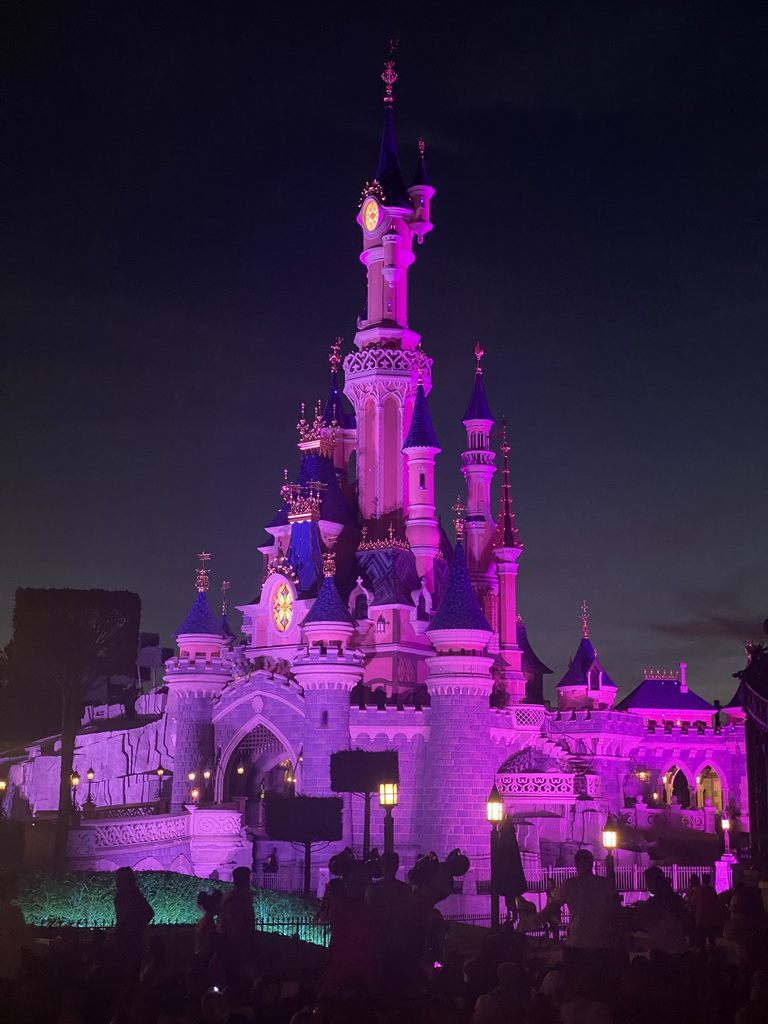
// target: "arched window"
[[709, 787], [361, 606]]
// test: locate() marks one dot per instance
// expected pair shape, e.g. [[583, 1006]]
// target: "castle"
[[374, 629]]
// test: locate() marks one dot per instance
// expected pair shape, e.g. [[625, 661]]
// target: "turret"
[[586, 684], [380, 379], [421, 446], [338, 420], [506, 551], [194, 679], [459, 684], [478, 467]]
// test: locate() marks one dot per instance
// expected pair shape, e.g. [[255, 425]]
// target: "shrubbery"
[[85, 898]]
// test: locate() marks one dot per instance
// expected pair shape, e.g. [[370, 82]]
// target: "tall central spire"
[[388, 173], [506, 530]]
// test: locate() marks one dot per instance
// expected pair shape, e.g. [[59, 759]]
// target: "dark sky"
[[180, 185]]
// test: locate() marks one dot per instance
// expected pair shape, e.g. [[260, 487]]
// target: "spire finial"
[[201, 582], [420, 360], [389, 75], [479, 353], [459, 511], [506, 529], [334, 357], [329, 563], [585, 620], [422, 147], [224, 588]]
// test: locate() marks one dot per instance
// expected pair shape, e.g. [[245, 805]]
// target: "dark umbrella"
[[508, 874]]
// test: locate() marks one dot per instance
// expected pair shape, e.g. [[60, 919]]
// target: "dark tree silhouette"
[[363, 771], [63, 640], [306, 820]]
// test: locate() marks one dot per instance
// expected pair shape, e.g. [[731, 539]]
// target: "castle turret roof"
[[333, 506], [478, 408], [664, 695], [531, 662], [200, 619], [388, 172], [328, 606], [226, 628], [459, 608], [420, 176], [421, 433], [584, 659], [334, 408], [735, 701]]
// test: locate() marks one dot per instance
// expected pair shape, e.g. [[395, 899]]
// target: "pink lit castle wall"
[[376, 630]]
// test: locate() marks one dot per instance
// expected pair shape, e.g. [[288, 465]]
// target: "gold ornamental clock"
[[371, 214]]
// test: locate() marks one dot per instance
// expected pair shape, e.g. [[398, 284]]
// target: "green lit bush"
[[85, 898]]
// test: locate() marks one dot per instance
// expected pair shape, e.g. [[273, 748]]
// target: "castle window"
[[361, 606], [422, 482], [594, 679], [323, 719]]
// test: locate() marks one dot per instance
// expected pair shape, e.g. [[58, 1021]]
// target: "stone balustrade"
[[550, 784]]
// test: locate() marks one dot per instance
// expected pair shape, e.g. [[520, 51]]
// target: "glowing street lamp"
[[494, 812], [610, 843], [388, 800], [74, 779], [3, 787], [194, 794], [725, 824], [191, 776]]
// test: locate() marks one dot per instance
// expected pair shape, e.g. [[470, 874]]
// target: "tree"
[[63, 640], [305, 820], [363, 771]]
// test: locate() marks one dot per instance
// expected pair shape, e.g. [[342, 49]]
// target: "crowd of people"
[[669, 959]]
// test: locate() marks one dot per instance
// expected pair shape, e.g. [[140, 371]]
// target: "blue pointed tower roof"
[[478, 408], [420, 176], [583, 660], [421, 433], [226, 628], [531, 661], [328, 606], [334, 409], [459, 608], [200, 619], [388, 172]]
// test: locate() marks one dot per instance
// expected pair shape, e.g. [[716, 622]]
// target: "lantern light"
[[194, 793], [494, 806], [160, 770], [240, 768], [3, 785], [642, 775], [388, 794], [381, 624], [726, 824], [610, 836], [90, 775], [75, 778], [192, 776], [207, 773]]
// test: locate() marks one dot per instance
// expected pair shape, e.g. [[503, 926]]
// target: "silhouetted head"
[[390, 863], [584, 861], [125, 878], [706, 879], [241, 877]]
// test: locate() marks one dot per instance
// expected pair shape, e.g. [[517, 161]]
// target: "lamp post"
[[160, 772], [494, 807], [388, 800], [74, 779], [610, 843], [725, 824], [90, 775], [3, 787], [194, 794]]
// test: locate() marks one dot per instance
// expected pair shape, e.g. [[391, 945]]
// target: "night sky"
[[179, 186]]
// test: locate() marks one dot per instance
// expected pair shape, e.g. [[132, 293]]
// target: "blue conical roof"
[[388, 172], [584, 659], [334, 409], [421, 177], [478, 408], [421, 433], [226, 627], [200, 619], [328, 606], [459, 608]]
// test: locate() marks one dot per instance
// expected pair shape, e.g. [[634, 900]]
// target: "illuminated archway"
[[258, 765], [709, 786], [676, 785]]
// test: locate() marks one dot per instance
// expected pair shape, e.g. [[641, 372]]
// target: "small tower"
[[327, 670], [506, 551], [195, 678], [586, 684], [478, 467], [337, 420], [421, 446], [459, 684]]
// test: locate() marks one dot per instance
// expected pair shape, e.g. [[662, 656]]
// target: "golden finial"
[[389, 75], [479, 353], [420, 360], [422, 147], [201, 582], [329, 564], [459, 511], [334, 357], [584, 620], [224, 588]]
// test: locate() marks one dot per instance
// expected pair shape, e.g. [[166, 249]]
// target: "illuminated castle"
[[374, 629]]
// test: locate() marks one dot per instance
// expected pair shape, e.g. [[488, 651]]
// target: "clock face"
[[370, 215], [282, 607]]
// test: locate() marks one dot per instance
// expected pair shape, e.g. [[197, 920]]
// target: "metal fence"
[[293, 927], [629, 878]]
